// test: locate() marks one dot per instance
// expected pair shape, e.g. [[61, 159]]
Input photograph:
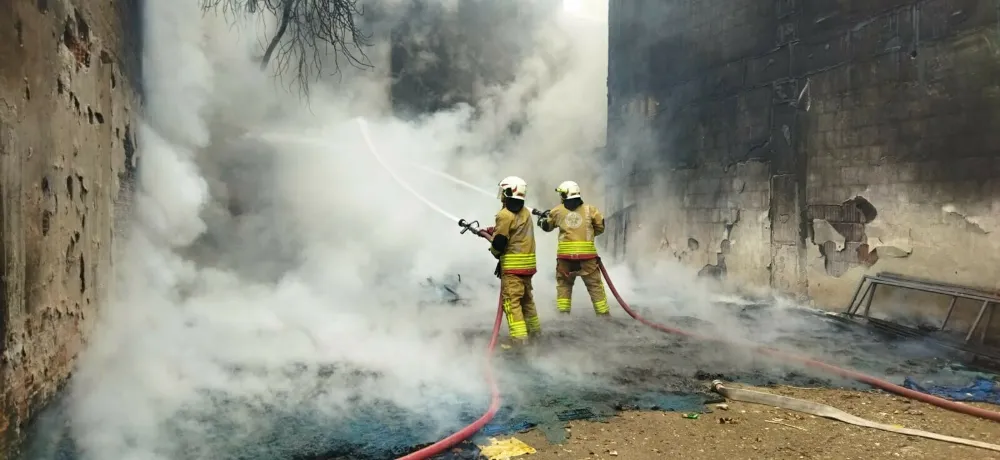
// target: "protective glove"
[[489, 230]]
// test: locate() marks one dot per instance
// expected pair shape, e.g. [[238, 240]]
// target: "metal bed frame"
[[986, 309]]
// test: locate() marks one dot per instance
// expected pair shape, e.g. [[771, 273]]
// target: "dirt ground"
[[761, 432]]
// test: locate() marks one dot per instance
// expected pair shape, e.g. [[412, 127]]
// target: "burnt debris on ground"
[[582, 368]]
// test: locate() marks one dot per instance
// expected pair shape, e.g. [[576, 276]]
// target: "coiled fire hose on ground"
[[825, 411], [467, 432]]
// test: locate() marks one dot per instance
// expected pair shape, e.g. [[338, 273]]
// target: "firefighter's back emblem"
[[573, 220]]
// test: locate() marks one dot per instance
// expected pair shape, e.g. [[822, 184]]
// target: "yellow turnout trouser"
[[566, 273], [519, 305]]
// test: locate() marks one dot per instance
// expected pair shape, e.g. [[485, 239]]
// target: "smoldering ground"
[[602, 367], [268, 298]]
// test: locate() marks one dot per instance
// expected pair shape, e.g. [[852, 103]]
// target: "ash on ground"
[[581, 368]]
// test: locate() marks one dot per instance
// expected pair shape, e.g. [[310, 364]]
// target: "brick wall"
[[851, 136], [67, 73]]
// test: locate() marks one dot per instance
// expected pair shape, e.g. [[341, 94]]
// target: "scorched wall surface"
[[800, 144], [67, 79]]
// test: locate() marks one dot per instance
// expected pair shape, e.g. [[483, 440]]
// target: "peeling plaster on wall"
[[718, 270], [682, 253], [749, 251], [907, 127], [920, 232], [693, 244], [848, 221], [934, 242], [890, 240], [941, 245], [824, 232], [973, 223], [694, 218]]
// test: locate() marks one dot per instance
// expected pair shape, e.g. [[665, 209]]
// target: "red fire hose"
[[867, 379], [467, 432]]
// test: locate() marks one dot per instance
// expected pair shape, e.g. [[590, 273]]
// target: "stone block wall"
[[848, 137], [68, 73]]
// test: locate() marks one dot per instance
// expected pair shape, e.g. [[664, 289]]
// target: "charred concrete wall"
[[68, 74], [800, 144]]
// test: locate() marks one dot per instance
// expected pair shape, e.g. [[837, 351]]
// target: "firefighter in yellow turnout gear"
[[513, 243], [578, 223]]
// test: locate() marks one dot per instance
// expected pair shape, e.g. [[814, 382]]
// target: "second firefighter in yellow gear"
[[513, 243], [579, 224]]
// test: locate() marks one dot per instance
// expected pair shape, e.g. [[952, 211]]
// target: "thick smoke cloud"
[[268, 247], [273, 267]]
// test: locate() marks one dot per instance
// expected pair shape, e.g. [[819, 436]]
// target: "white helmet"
[[568, 189], [513, 187]]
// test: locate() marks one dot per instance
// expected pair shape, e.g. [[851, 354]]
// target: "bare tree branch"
[[286, 15], [309, 32]]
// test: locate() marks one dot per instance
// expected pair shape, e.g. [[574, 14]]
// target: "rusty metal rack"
[[986, 309]]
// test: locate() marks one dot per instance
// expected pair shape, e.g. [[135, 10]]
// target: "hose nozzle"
[[466, 226], [540, 213]]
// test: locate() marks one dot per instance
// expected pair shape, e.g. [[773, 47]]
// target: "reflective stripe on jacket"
[[519, 256]]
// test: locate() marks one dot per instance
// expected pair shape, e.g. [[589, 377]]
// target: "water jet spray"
[[461, 182], [451, 178], [805, 361], [363, 126]]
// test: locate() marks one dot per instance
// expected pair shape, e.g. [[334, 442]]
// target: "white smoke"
[[220, 313], [274, 267]]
